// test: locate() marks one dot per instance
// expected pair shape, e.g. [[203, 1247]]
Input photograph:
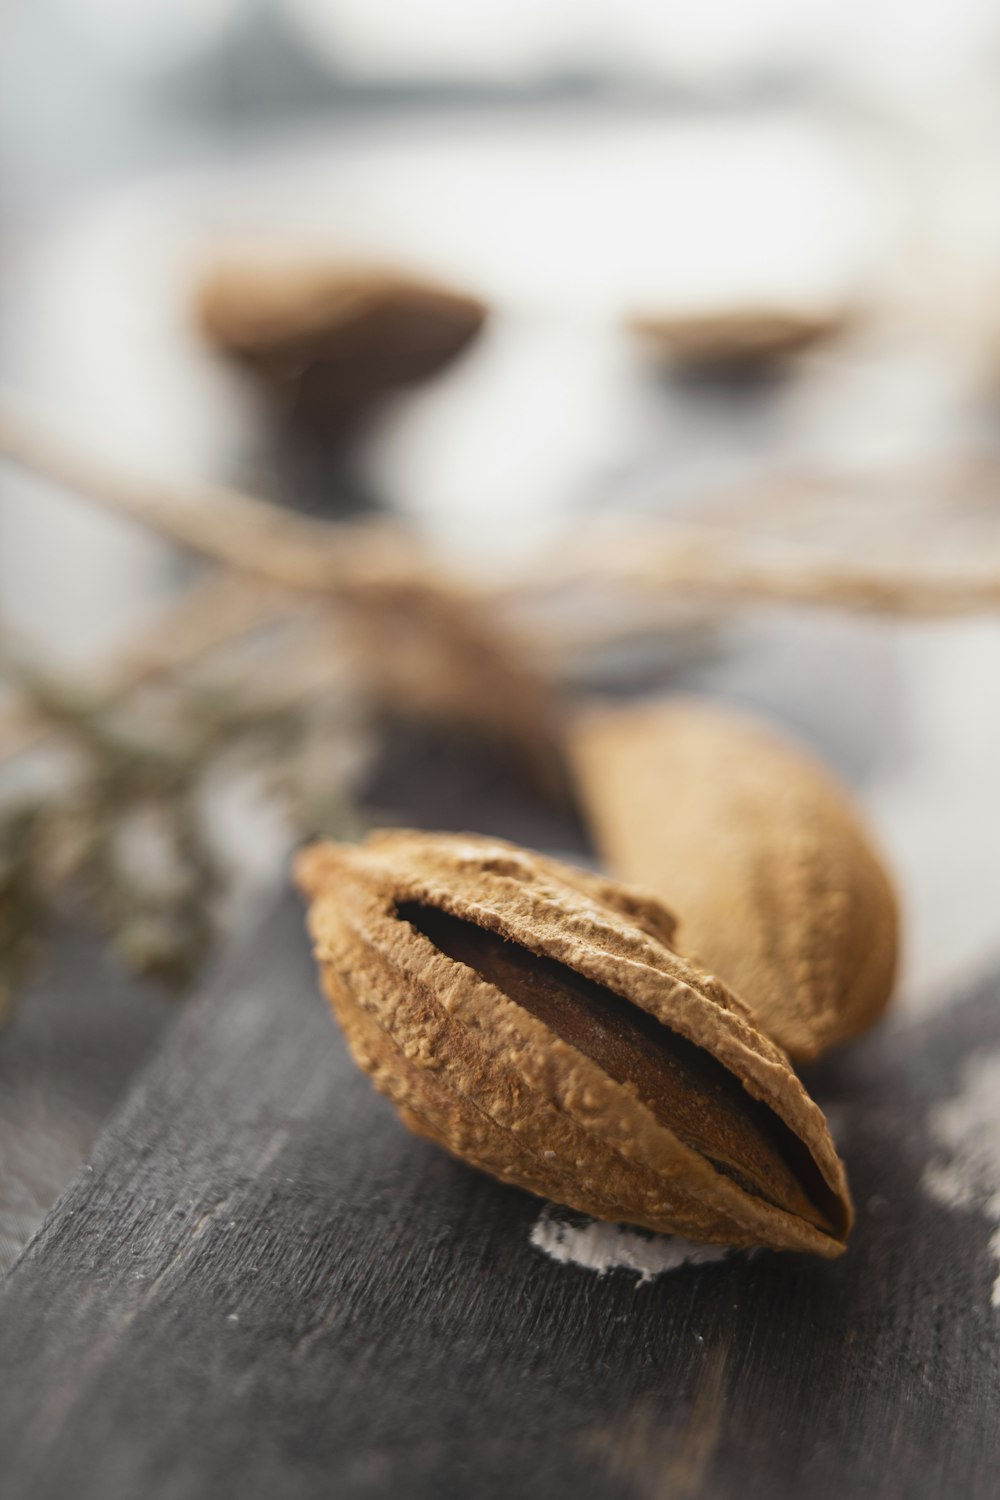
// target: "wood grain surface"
[[76, 1034], [262, 1285]]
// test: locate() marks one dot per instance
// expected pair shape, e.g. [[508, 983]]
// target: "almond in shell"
[[538, 1023]]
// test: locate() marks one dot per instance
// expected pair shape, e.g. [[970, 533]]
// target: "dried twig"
[[212, 613], [675, 559], [336, 560], [395, 596], [364, 565]]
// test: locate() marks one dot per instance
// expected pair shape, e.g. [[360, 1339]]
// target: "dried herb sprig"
[[123, 833]]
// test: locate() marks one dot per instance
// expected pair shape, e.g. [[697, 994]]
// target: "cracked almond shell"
[[536, 1022]]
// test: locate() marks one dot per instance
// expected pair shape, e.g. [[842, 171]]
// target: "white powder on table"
[[604, 1247], [966, 1128]]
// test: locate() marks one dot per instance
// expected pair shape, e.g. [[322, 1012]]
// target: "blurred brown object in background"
[[330, 335], [739, 338]]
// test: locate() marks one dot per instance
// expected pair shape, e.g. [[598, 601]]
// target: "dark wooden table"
[[261, 1285]]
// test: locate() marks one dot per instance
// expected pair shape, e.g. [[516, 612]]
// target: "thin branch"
[[399, 599], [674, 560], [213, 613], [353, 562], [239, 530]]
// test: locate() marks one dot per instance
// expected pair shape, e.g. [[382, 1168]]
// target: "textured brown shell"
[[776, 884], [483, 1076]]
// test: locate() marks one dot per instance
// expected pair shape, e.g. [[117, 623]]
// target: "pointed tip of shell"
[[314, 862]]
